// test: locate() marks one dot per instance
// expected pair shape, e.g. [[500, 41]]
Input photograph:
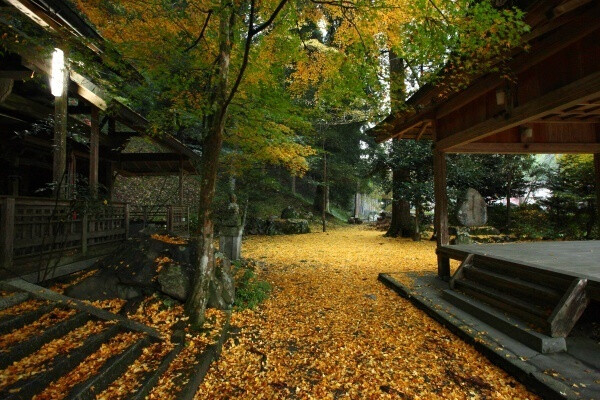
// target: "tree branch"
[[201, 35], [252, 31]]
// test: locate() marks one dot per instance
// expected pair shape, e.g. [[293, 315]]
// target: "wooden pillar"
[[597, 176], [84, 233], [181, 181], [441, 210], [126, 218], [59, 164], [7, 227], [170, 218], [94, 150]]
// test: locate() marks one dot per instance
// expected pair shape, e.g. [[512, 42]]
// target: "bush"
[[249, 290], [530, 222]]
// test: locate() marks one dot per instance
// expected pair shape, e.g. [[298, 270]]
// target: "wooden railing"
[[35, 230], [174, 218]]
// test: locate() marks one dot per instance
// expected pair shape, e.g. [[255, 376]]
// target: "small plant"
[[249, 290]]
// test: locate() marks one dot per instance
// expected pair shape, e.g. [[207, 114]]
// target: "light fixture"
[[500, 97], [57, 79], [526, 133]]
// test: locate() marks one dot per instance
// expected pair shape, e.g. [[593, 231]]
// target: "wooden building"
[[553, 106], [55, 150]]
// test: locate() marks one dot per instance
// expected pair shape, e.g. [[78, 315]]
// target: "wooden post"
[[441, 211], [94, 150], [294, 185], [126, 216], [7, 226], [170, 218], [84, 234], [59, 164], [181, 181], [597, 175]]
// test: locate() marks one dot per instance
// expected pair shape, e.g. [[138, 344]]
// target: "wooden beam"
[[441, 210], [422, 131], [17, 75], [7, 225], [597, 182], [577, 92], [527, 148], [569, 6], [570, 307], [94, 150], [59, 148], [180, 181]]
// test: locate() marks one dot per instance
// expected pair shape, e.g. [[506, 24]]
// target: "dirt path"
[[331, 330]]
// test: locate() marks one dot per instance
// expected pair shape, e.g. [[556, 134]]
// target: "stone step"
[[60, 366], [13, 299], [525, 310], [525, 290], [151, 378], [512, 327], [12, 322], [34, 343], [111, 370]]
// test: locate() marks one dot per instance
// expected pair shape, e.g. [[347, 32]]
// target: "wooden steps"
[[27, 381], [544, 301]]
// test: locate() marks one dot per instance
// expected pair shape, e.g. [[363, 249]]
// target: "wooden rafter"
[[578, 92]]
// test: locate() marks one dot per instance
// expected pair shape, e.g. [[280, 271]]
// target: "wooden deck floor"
[[577, 259]]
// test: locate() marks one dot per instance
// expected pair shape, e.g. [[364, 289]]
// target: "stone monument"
[[230, 242], [473, 210], [472, 213]]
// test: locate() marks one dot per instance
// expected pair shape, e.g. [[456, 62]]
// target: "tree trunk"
[[211, 148], [417, 234], [401, 224]]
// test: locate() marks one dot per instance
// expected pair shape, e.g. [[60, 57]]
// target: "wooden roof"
[[27, 103], [552, 107]]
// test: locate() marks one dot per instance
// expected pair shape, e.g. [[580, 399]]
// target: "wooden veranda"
[[53, 141], [552, 106]]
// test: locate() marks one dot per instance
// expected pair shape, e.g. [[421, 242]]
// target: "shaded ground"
[[331, 330]]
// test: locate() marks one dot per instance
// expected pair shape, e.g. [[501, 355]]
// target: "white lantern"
[[57, 79]]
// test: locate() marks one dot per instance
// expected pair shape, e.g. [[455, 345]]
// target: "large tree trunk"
[[211, 148], [401, 224]]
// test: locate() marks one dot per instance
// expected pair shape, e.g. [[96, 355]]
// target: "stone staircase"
[[539, 308], [35, 362]]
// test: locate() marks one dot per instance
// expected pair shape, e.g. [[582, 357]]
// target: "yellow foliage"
[[320, 336]]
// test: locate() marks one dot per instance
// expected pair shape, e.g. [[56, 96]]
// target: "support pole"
[[441, 211], [7, 226], [181, 181], [597, 181], [59, 164], [94, 150], [84, 233]]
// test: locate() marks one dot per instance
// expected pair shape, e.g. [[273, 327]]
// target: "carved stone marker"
[[473, 211], [230, 242]]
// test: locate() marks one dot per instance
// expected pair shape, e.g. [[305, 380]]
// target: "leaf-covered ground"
[[331, 330]]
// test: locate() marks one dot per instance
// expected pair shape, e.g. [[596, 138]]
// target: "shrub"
[[249, 290]]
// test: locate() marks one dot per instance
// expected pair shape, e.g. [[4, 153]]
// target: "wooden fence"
[[37, 232], [174, 218]]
